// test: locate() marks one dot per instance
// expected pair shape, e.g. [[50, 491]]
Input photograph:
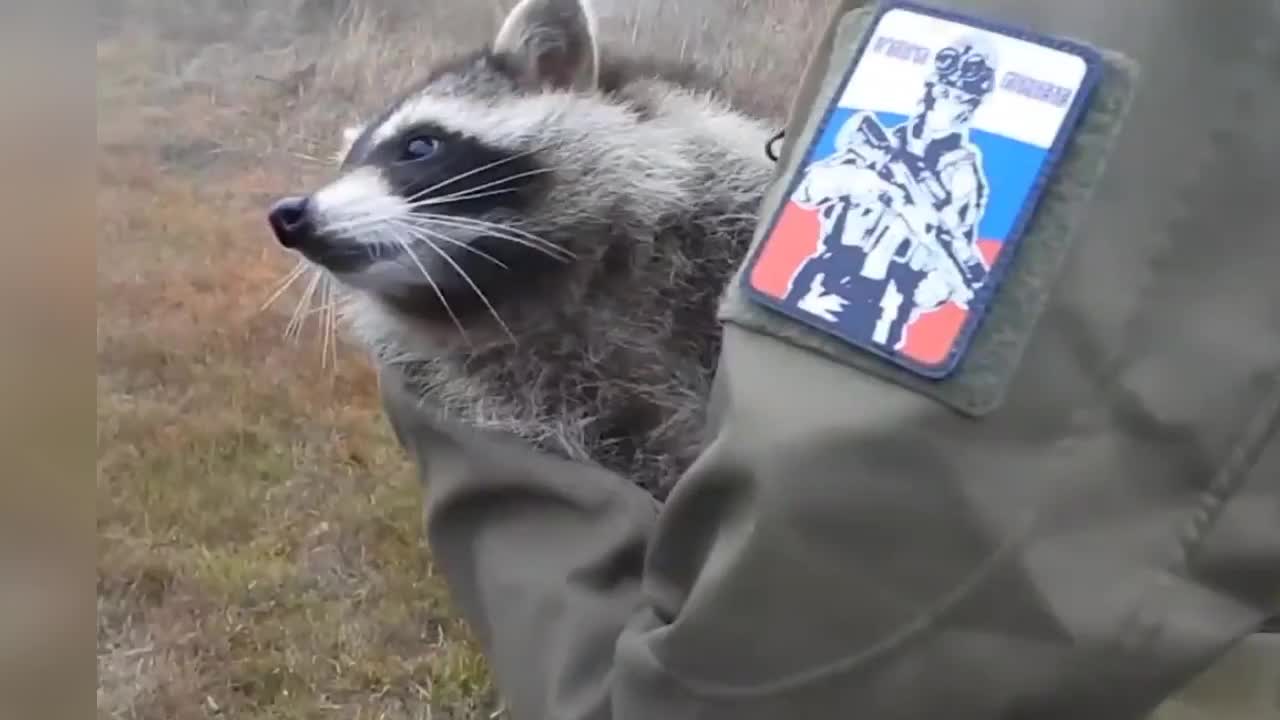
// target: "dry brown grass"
[[260, 541]]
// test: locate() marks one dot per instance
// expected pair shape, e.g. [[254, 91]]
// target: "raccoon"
[[536, 238]]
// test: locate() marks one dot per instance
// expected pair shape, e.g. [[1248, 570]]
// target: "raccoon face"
[[453, 202]]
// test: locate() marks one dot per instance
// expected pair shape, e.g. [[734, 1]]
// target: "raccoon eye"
[[419, 148]]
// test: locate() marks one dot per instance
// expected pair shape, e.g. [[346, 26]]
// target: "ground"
[[260, 540]]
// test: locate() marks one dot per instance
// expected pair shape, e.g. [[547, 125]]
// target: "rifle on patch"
[[873, 147]]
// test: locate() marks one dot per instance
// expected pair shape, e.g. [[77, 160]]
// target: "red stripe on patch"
[[795, 238], [932, 336]]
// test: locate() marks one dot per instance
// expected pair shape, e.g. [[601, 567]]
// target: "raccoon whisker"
[[423, 198], [459, 198], [467, 278], [333, 324], [330, 330], [361, 224], [371, 225], [473, 171], [506, 232], [300, 309], [435, 288], [289, 279], [318, 309], [367, 221], [380, 214], [308, 158], [510, 234], [414, 230], [333, 327], [365, 213], [324, 320], [313, 297], [543, 246], [294, 327]]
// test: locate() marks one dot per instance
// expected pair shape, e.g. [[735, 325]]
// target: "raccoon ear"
[[553, 43], [350, 135]]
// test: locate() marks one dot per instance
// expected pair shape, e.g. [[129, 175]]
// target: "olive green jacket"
[[1083, 522]]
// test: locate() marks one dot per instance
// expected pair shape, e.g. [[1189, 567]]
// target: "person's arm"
[[969, 198], [1074, 525]]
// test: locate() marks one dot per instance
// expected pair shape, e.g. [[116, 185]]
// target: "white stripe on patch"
[[885, 83], [357, 202]]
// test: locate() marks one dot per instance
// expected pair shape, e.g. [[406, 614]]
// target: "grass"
[[260, 541]]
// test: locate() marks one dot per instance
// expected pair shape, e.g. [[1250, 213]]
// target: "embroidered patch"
[[909, 204]]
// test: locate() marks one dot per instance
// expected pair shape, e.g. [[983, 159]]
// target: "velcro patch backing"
[[928, 201]]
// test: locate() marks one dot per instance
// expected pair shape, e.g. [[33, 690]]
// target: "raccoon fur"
[[537, 237]]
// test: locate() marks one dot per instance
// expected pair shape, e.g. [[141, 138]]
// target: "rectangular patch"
[[896, 231]]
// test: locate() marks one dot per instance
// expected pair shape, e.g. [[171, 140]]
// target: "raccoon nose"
[[291, 221]]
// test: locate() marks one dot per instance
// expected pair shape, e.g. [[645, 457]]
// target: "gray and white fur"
[[538, 235]]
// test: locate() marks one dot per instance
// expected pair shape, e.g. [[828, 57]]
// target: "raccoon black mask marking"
[[537, 237], [432, 200]]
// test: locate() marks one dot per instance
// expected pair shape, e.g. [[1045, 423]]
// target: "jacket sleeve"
[[1099, 525], [543, 557]]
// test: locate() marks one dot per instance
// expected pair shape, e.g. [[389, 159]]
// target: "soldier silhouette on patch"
[[899, 209]]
